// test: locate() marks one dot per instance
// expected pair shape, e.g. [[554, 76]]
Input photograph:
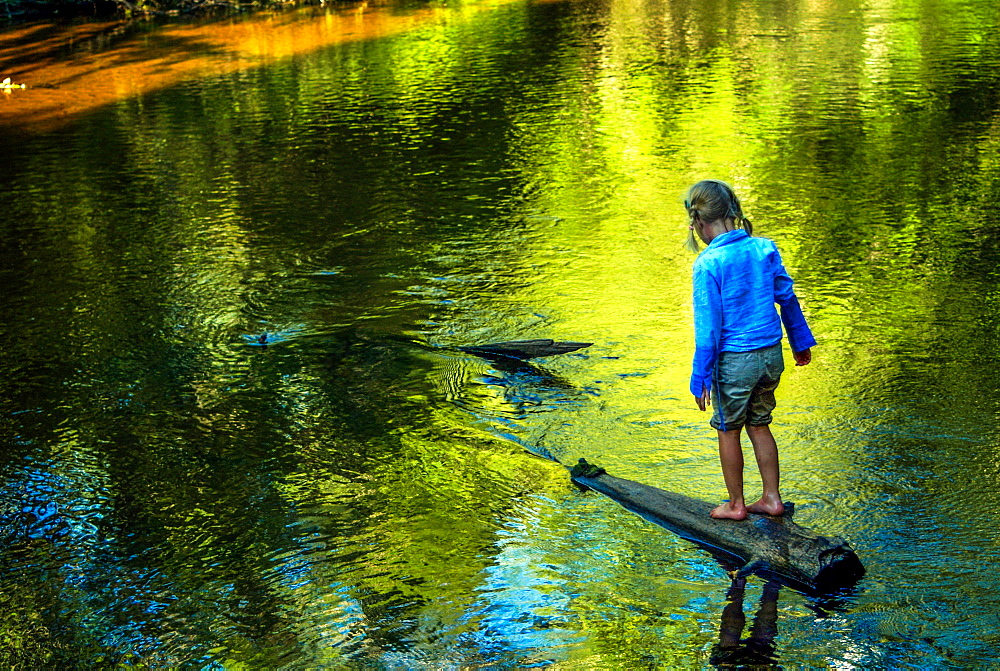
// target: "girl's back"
[[742, 270]]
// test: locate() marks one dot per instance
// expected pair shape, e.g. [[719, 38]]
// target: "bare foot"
[[768, 505], [728, 511]]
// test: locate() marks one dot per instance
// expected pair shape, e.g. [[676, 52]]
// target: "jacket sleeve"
[[800, 337], [707, 329]]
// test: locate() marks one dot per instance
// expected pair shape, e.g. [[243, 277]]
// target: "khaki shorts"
[[743, 387]]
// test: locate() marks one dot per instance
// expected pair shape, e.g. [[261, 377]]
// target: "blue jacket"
[[737, 281]]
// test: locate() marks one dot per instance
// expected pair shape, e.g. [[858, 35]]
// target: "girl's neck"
[[709, 231]]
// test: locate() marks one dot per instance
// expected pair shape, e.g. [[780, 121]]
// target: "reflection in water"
[[527, 388], [758, 648], [240, 258], [77, 68]]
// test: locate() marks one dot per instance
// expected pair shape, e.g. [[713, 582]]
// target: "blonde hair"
[[710, 200]]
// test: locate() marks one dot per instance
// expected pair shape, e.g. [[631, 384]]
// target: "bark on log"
[[771, 546]]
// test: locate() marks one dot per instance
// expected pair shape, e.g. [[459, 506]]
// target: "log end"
[[840, 567]]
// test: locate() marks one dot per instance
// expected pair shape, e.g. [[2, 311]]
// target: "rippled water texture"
[[239, 258]]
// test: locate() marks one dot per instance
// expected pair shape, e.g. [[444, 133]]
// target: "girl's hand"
[[705, 399], [803, 357]]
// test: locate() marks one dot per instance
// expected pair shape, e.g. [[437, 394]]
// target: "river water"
[[239, 257]]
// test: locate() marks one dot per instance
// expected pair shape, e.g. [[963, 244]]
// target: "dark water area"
[[237, 428]]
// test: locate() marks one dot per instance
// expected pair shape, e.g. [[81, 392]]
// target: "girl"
[[737, 360]]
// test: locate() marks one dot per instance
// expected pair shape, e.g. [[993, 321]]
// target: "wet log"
[[524, 349], [775, 547]]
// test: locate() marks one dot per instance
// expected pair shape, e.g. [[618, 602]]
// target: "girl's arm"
[[800, 337], [707, 330]]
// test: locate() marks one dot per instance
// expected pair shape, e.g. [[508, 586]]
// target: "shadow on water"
[[530, 386]]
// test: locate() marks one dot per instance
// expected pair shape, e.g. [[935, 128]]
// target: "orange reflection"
[[73, 69]]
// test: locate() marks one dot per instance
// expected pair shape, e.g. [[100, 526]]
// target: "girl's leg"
[[766, 451], [731, 456]]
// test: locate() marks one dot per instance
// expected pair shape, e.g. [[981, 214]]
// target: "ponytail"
[[712, 199]]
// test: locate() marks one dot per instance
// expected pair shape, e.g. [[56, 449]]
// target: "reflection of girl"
[[758, 649], [737, 281]]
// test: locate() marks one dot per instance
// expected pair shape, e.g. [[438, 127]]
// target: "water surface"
[[237, 427]]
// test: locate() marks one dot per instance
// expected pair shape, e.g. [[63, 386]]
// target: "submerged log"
[[524, 349], [771, 546]]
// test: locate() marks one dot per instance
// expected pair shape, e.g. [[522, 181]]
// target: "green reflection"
[[355, 492]]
